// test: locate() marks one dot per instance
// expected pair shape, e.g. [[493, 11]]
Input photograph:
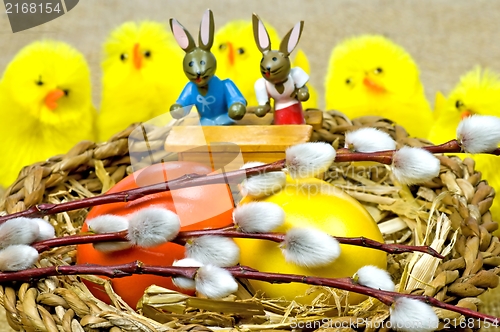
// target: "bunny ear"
[[206, 37], [260, 34], [291, 39], [182, 36]]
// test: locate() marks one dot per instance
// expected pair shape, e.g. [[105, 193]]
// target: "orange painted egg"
[[202, 207]]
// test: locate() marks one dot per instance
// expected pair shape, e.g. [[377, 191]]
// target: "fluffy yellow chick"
[[238, 58], [45, 105], [477, 92], [371, 75], [142, 76]]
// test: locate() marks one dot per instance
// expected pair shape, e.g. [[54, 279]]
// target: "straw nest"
[[451, 213]]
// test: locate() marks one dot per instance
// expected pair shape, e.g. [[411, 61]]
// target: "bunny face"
[[199, 66], [275, 66], [199, 63]]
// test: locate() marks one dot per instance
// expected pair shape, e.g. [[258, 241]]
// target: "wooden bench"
[[252, 139]]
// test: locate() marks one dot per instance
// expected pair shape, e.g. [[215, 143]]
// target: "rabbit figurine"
[[286, 85], [219, 102]]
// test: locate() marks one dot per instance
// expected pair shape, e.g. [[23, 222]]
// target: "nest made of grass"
[[451, 213]]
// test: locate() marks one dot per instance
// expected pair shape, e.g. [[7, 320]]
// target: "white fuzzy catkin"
[[309, 247], [153, 226], [369, 140], [258, 217], [411, 315], [17, 257], [307, 160], [19, 231], [212, 249], [414, 165], [109, 223], [215, 282], [374, 277], [185, 283], [479, 133], [47, 231], [262, 185]]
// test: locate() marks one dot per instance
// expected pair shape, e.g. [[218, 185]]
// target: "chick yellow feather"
[[371, 75], [238, 58], [45, 105], [142, 76], [439, 104], [477, 92]]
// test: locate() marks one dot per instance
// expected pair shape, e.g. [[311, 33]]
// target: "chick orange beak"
[[52, 97], [137, 58], [373, 86], [465, 114], [230, 54]]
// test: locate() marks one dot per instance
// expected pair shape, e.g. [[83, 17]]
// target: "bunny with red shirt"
[[286, 85], [219, 102]]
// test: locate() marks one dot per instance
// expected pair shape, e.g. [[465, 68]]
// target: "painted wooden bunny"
[[279, 81], [219, 102]]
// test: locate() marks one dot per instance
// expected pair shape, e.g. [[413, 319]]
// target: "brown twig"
[[452, 146], [186, 181], [280, 237], [228, 232], [125, 270]]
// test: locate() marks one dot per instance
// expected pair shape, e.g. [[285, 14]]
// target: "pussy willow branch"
[[227, 232], [125, 270], [193, 180], [452, 146], [186, 181]]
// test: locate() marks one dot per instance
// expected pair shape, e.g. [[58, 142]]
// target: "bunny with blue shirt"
[[219, 102]]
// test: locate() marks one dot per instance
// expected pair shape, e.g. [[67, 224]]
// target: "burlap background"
[[446, 37]]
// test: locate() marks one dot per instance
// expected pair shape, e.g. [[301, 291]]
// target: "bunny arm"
[[300, 77], [213, 106], [265, 89]]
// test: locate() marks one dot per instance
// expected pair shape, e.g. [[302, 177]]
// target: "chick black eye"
[[348, 81], [241, 50], [66, 92], [202, 62], [123, 56], [378, 70], [191, 63], [147, 54], [222, 47], [39, 82], [275, 58], [458, 104]]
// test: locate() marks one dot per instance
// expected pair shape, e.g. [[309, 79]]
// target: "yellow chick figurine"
[[142, 76], [370, 75], [477, 92], [238, 59], [45, 105]]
